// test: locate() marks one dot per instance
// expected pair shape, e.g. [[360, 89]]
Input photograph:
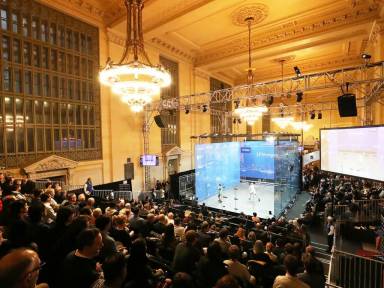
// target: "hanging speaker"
[[129, 172], [160, 122], [347, 105]]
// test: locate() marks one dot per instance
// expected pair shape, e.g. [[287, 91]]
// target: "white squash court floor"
[[237, 199]]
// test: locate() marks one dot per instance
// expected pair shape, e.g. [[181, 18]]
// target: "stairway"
[[322, 255]]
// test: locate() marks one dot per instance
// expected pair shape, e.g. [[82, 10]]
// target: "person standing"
[[88, 187], [252, 190], [220, 192], [330, 233]]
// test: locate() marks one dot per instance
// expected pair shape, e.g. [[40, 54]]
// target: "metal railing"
[[364, 211], [353, 271], [103, 194], [70, 188], [125, 187], [329, 285], [112, 195]]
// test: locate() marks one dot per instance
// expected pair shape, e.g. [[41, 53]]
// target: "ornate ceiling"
[[314, 35]]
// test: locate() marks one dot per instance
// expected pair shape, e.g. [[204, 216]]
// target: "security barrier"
[[353, 271], [361, 211]]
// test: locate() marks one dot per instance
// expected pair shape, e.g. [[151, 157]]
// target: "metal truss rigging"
[[367, 79]]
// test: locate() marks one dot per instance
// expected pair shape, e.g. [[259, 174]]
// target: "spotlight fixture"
[[234, 120], [366, 56], [237, 103], [297, 71], [312, 114], [239, 120], [299, 96], [187, 110], [205, 108], [319, 115]]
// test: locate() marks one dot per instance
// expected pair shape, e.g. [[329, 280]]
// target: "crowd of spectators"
[[68, 240], [329, 189]]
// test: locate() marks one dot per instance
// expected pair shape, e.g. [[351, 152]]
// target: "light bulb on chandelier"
[[301, 125], [283, 122], [134, 78]]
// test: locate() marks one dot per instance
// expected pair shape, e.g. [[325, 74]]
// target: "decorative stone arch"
[[172, 155], [52, 166]]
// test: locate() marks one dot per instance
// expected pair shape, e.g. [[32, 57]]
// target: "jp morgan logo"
[[264, 154], [246, 150]]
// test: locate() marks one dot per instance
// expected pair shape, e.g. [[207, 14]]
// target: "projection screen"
[[355, 151]]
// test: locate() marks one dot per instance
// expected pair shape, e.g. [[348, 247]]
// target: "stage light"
[[205, 108], [312, 114], [297, 71], [187, 110], [234, 120], [366, 56], [319, 115], [299, 96], [239, 120], [237, 103]]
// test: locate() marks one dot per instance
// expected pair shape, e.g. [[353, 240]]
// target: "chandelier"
[[283, 122], [301, 125], [250, 114], [134, 78]]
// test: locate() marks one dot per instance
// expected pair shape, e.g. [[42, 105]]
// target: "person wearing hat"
[[330, 233]]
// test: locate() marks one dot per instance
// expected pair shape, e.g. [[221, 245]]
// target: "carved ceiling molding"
[[85, 7], [364, 44], [169, 13], [177, 52], [267, 38], [258, 11], [331, 62], [377, 30], [172, 49], [354, 3], [284, 59], [114, 38]]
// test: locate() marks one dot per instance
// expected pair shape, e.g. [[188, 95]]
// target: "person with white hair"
[[170, 219], [330, 233]]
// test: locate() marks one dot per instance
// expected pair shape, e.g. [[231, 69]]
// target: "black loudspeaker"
[[347, 105], [129, 172], [160, 122]]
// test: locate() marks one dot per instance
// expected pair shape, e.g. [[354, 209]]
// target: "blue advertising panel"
[[257, 160], [217, 163]]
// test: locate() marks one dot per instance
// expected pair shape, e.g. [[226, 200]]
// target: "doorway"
[[173, 166]]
